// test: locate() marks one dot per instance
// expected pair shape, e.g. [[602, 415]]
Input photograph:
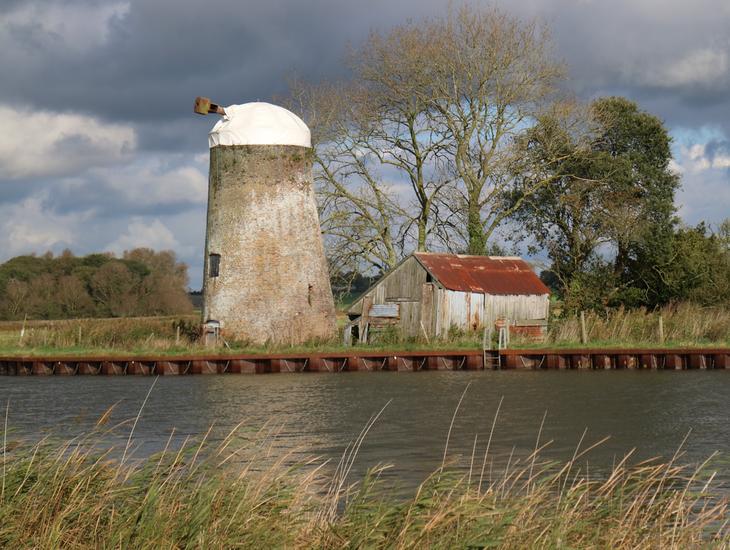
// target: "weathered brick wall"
[[273, 284]]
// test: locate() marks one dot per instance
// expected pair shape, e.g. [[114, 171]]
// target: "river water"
[[319, 414]]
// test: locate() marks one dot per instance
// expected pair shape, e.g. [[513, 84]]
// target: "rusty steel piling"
[[394, 360]]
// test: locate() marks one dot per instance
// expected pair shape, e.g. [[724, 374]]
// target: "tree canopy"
[[608, 221], [141, 282]]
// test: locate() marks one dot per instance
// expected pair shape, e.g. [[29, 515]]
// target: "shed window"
[[214, 265], [429, 278]]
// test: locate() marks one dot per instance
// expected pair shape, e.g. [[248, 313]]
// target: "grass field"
[[685, 325]]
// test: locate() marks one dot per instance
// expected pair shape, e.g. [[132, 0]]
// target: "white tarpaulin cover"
[[259, 123]]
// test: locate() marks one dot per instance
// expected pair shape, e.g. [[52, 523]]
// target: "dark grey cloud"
[[133, 68], [717, 149], [13, 191], [159, 54]]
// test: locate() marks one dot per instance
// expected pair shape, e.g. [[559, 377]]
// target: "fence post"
[[583, 331], [661, 329]]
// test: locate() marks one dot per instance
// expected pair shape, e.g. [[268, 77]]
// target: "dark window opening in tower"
[[309, 294], [214, 265], [429, 279]]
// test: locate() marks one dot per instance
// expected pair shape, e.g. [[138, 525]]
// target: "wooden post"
[[177, 335], [22, 330], [486, 341], [583, 331], [661, 329], [364, 320], [79, 342], [425, 334], [487, 338], [347, 335]]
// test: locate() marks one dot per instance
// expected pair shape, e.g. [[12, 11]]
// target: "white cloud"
[[44, 143], [721, 161], [697, 161], [32, 227], [153, 181], [704, 66], [153, 234], [704, 197], [694, 159], [675, 167], [705, 192]]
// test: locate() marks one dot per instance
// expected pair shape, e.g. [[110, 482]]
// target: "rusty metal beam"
[[716, 358]]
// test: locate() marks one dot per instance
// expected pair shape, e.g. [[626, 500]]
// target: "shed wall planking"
[[517, 307], [472, 311], [402, 284], [439, 309]]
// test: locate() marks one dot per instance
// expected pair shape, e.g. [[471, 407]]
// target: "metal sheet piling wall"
[[454, 360]]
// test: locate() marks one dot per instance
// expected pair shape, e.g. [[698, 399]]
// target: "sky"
[[100, 149]]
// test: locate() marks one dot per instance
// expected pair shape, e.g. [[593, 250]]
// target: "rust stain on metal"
[[483, 274], [536, 359]]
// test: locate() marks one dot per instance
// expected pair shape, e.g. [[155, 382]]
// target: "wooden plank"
[[427, 310], [391, 310]]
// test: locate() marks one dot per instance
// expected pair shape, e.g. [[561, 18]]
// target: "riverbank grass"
[[238, 494], [684, 325]]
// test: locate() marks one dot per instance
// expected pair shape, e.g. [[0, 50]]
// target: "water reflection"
[[321, 413]]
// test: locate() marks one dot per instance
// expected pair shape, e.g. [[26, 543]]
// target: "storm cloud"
[[99, 149]]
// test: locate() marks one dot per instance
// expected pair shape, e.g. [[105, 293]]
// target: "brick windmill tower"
[[266, 277]]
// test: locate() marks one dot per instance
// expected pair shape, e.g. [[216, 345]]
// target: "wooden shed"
[[430, 293]]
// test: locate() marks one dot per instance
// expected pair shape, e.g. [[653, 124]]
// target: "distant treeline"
[[141, 282]]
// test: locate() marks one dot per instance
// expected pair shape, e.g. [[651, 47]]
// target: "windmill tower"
[[266, 276]]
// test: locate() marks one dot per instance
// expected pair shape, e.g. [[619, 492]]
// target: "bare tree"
[[360, 214], [114, 288], [491, 77], [441, 106], [393, 78], [379, 162], [73, 298], [14, 301]]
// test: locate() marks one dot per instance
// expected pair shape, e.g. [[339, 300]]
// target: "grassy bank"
[[685, 325], [238, 495]]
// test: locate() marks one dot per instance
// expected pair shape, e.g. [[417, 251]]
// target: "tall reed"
[[683, 324], [239, 494]]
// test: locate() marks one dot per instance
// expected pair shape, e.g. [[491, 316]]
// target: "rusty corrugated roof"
[[483, 274]]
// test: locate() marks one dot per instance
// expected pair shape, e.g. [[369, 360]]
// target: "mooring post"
[[583, 331]]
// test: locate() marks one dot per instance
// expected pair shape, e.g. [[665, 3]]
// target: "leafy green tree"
[[634, 155], [699, 269], [607, 219]]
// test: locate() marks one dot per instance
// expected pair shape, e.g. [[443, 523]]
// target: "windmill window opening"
[[214, 264]]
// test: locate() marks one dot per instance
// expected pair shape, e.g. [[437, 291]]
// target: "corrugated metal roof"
[[485, 274]]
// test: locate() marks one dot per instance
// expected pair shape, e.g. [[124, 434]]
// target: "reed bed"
[[238, 494], [684, 324], [127, 333]]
